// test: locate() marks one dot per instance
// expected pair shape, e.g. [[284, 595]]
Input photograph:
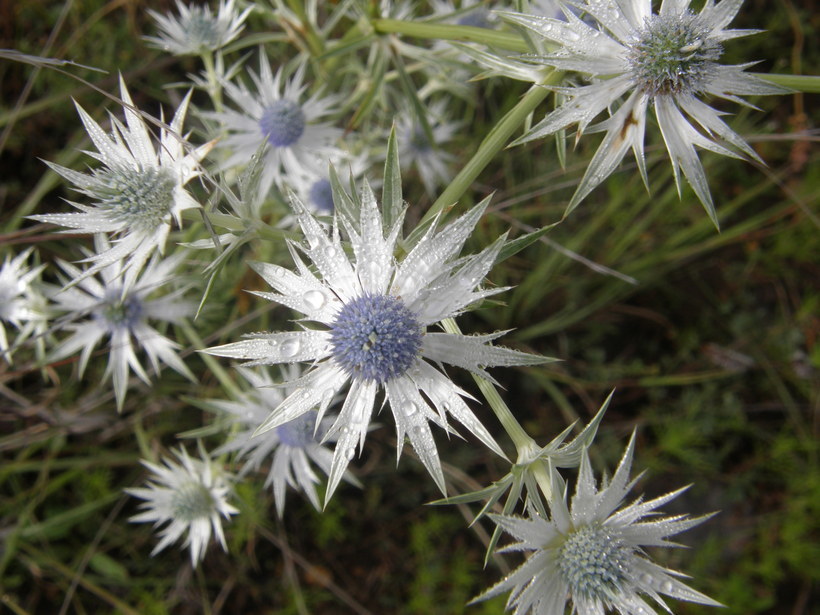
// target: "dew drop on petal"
[[667, 587], [273, 343], [290, 347], [315, 299], [409, 408], [350, 453]]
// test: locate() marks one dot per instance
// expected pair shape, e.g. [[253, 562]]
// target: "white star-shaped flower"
[[280, 118], [190, 497], [21, 304], [106, 307], [137, 191], [591, 553], [667, 60], [197, 30], [289, 448], [374, 313]]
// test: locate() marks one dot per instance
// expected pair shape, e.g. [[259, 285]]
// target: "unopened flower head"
[[137, 191], [290, 448], [106, 307], [190, 496], [374, 314], [282, 119], [592, 553], [196, 30], [668, 60], [21, 304]]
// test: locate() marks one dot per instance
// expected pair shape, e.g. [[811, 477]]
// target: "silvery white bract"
[[592, 553], [375, 312], [138, 189], [106, 307], [668, 60], [280, 118], [197, 30], [289, 448], [190, 497], [21, 305]]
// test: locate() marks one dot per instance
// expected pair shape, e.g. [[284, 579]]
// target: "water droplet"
[[350, 453], [409, 408], [279, 272], [305, 394], [315, 299], [273, 343], [290, 347], [647, 579], [667, 587]]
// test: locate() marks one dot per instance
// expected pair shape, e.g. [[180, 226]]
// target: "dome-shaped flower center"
[[673, 55], [375, 337], [203, 30], [321, 195], [419, 141], [592, 561], [478, 18], [120, 312], [282, 123], [139, 198], [297, 433], [191, 501]]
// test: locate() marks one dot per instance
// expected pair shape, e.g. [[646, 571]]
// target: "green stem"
[[221, 375], [470, 34], [493, 143], [810, 84], [523, 443], [214, 88]]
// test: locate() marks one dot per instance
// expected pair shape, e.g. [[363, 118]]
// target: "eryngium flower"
[[21, 305], [375, 312], [668, 60], [416, 149], [108, 307], [279, 118], [197, 30], [137, 191], [592, 553], [289, 448], [190, 497]]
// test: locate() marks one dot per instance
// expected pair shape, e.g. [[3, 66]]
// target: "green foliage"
[[712, 342]]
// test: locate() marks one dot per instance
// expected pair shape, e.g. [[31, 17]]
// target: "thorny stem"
[[526, 448], [523, 443]]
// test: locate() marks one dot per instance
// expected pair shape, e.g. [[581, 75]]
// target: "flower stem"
[[809, 84], [214, 87], [523, 443], [490, 146], [471, 34]]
